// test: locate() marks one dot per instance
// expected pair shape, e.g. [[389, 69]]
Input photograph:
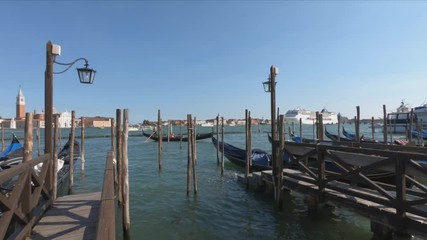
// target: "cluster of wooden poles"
[[28, 146], [191, 149], [122, 179]]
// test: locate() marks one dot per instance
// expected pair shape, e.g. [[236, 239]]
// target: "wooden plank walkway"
[[355, 198], [71, 217]]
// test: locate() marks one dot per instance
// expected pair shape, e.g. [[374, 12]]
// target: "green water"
[[222, 208]]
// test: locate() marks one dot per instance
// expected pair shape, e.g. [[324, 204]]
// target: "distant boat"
[[207, 124], [133, 129], [398, 121], [309, 117], [175, 138]]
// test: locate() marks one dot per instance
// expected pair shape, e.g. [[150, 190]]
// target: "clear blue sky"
[[210, 57]]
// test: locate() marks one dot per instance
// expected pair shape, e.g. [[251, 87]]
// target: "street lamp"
[[270, 86], [86, 75]]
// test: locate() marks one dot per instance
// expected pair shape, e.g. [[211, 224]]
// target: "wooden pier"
[[397, 207], [29, 208], [34, 215], [71, 217]]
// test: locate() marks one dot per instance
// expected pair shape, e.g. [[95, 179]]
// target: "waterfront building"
[[20, 105]]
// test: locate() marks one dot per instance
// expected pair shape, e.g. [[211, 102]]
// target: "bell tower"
[[20, 105]]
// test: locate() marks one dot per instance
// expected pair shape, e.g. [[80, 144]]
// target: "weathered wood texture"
[[392, 203], [71, 175], [106, 227], [119, 155], [17, 203], [72, 217], [125, 176], [82, 143]]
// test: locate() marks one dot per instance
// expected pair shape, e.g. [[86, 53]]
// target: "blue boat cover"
[[15, 144]]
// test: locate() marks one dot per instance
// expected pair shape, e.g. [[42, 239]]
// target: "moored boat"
[[12, 155], [335, 137], [261, 160], [9, 151], [63, 170], [176, 138], [398, 121]]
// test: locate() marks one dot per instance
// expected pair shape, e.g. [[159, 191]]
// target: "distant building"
[[64, 120], [8, 123], [20, 105], [98, 122]]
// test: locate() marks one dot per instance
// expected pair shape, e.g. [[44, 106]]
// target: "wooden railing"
[[24, 197], [106, 228], [404, 195]]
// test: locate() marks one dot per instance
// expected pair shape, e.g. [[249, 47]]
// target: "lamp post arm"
[[70, 64]]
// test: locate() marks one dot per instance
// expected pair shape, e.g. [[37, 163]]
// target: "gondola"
[[335, 138], [64, 154], [261, 160], [14, 145], [12, 155], [176, 138], [15, 157], [352, 137]]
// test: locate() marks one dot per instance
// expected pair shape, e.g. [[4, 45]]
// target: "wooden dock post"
[[73, 126], [160, 136], [280, 153], [180, 135], [55, 157], [28, 153], [217, 139], [2, 136], [411, 122], [189, 122], [385, 129], [300, 128], [357, 124], [248, 146], [38, 139], [222, 147], [194, 154], [320, 134], [339, 127], [119, 155], [168, 131], [317, 126], [82, 143], [113, 126], [125, 175], [314, 131]]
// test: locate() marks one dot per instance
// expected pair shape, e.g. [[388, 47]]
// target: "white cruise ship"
[[309, 117]]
